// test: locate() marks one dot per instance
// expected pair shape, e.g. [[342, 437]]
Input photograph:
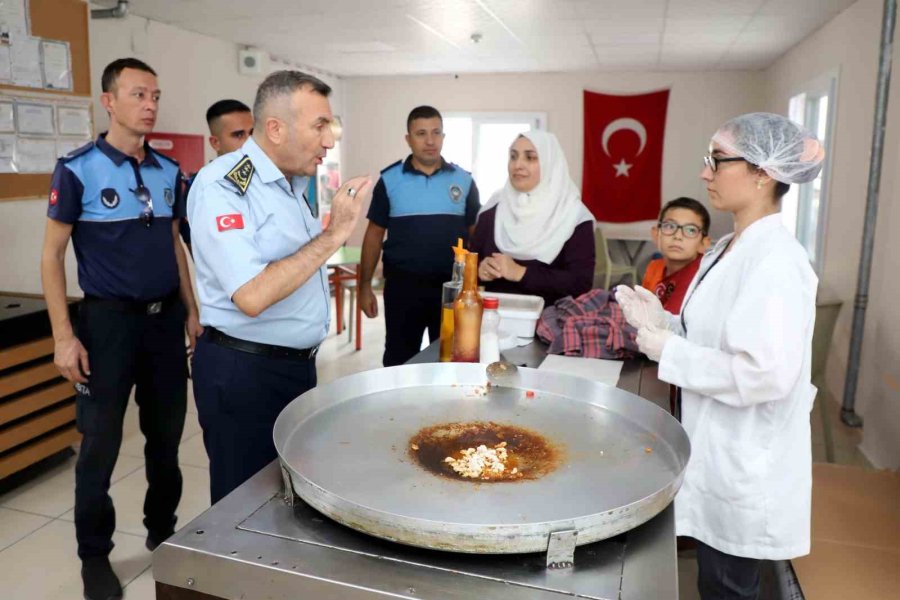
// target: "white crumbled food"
[[480, 462]]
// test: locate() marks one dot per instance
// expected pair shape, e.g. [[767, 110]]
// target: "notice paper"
[[26, 61], [57, 72], [5, 64], [74, 120], [13, 18], [34, 119], [7, 122], [64, 146], [595, 369], [35, 155], [7, 148]]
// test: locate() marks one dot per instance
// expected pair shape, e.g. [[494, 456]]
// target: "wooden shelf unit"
[[37, 406]]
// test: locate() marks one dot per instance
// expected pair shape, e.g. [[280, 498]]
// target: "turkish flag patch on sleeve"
[[226, 222], [54, 197]]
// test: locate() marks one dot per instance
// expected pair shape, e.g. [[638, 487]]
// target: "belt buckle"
[[314, 351], [154, 308]]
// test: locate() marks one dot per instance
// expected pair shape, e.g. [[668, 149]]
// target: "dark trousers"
[[726, 577], [239, 395], [128, 349], [411, 305]]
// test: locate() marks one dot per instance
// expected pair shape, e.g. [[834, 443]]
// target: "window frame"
[[537, 119], [826, 85]]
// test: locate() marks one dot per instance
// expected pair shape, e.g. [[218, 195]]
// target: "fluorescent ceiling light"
[[500, 21], [432, 30]]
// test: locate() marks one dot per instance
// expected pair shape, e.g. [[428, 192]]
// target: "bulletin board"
[[65, 21]]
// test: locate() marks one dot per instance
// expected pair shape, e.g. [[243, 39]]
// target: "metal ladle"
[[503, 373]]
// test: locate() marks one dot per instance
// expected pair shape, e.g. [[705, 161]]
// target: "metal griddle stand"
[[560, 544]]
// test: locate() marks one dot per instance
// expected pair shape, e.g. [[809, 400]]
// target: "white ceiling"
[[391, 37]]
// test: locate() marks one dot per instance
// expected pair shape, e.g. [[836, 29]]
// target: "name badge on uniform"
[[169, 197], [241, 175], [109, 197], [455, 193]]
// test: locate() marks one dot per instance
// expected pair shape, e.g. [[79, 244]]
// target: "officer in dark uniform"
[[260, 260], [423, 204], [230, 125], [120, 202]]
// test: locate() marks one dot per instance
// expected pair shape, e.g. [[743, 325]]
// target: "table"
[[252, 545], [338, 264]]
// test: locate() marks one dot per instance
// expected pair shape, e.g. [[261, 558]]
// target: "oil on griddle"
[[530, 455]]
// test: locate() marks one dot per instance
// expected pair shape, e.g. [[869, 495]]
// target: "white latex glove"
[[651, 341], [641, 307]]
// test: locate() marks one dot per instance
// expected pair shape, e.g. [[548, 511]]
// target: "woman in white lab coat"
[[740, 351]]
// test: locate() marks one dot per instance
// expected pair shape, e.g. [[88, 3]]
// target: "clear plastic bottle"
[[449, 294], [490, 327]]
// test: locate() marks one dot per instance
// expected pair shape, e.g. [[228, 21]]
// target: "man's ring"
[[351, 192]]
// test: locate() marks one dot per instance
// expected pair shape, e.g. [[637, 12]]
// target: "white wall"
[[850, 45], [194, 71], [376, 110]]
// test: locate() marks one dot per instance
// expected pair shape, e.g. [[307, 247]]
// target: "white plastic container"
[[519, 313]]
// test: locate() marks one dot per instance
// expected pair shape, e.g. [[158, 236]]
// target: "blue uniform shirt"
[[118, 255], [234, 236], [424, 215], [184, 227]]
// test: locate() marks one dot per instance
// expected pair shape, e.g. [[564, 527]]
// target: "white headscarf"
[[537, 224]]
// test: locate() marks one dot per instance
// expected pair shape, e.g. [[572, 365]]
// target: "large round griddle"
[[345, 446]]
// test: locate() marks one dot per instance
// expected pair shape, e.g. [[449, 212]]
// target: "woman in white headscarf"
[[741, 351], [535, 236]]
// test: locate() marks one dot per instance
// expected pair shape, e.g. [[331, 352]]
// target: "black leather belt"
[[272, 351], [141, 307]]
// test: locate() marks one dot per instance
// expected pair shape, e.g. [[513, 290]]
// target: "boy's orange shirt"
[[671, 288], [655, 273]]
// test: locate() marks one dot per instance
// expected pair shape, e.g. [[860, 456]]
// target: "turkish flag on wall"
[[623, 149]]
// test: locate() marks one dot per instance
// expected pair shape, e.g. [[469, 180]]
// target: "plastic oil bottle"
[[450, 292]]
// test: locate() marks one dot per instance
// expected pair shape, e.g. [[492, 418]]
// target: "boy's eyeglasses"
[[713, 162], [689, 231], [143, 196]]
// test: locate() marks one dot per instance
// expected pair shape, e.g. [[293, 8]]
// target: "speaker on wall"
[[250, 61]]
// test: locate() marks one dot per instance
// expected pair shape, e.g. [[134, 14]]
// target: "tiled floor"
[[37, 537]]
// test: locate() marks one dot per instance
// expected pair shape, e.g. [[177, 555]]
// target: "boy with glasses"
[[682, 236]]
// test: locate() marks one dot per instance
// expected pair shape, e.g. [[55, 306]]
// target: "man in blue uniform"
[[260, 262], [120, 203], [230, 125], [424, 204]]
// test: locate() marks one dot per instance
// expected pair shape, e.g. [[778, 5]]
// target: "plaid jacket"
[[591, 326]]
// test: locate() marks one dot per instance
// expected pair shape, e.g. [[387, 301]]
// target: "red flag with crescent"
[[623, 151]]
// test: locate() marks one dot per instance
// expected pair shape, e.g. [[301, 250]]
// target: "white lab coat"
[[744, 368]]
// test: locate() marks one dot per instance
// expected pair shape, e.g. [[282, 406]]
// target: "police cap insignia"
[[241, 174]]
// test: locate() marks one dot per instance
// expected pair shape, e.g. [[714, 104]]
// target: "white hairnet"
[[784, 150]]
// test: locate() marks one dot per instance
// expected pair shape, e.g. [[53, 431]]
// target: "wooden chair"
[[605, 270]]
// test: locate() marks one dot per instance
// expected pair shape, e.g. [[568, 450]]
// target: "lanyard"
[[699, 281]]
